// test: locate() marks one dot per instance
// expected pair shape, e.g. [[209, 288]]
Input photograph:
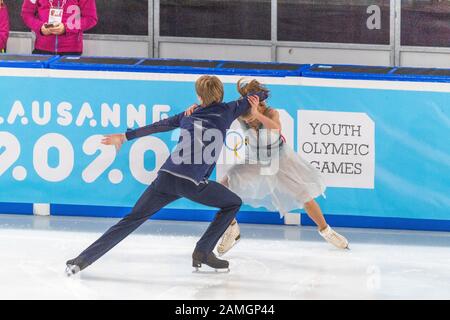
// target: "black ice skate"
[[72, 269], [199, 258]]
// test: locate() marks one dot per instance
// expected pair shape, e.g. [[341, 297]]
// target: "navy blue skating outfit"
[[188, 179]]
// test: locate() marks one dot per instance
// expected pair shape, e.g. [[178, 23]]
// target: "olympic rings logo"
[[239, 141]]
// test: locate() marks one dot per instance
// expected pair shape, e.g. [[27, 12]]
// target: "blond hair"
[[209, 89], [246, 88]]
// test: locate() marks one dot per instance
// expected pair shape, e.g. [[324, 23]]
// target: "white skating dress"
[[273, 176]]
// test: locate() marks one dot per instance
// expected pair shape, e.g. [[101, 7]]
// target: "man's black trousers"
[[165, 189]]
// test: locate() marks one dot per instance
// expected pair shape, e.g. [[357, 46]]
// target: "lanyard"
[[61, 7]]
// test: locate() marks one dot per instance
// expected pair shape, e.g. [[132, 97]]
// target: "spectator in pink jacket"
[[4, 26], [59, 24]]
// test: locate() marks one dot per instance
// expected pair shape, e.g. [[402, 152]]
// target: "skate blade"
[[68, 273], [212, 271], [337, 246], [72, 271], [220, 254]]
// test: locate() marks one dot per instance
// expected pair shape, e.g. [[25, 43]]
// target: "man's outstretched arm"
[[160, 126], [118, 140]]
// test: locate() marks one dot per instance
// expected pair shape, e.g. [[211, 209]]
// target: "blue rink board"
[[348, 221], [219, 68], [16, 208], [26, 61], [392, 75], [245, 216]]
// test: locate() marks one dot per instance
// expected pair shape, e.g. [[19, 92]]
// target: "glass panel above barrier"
[[425, 23], [122, 17], [231, 19], [336, 21]]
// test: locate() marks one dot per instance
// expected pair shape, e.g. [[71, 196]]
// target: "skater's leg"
[[225, 183], [232, 233], [214, 194], [315, 213], [331, 236], [230, 238], [148, 204]]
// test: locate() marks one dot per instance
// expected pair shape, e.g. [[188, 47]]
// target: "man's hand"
[[191, 110], [58, 30], [116, 140]]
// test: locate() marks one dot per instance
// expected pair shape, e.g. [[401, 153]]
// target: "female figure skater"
[[294, 185], [4, 26]]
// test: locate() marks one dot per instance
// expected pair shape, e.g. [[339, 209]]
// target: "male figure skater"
[[184, 174]]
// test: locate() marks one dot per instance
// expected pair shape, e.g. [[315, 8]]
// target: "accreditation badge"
[[55, 16]]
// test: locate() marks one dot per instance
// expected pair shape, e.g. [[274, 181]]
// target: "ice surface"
[[271, 262]]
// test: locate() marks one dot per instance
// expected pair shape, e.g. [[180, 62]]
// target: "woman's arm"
[[191, 110], [272, 121], [241, 106], [4, 27], [87, 18], [29, 17]]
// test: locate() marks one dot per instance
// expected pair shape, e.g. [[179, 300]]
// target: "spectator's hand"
[[116, 140], [58, 29], [190, 110], [45, 31]]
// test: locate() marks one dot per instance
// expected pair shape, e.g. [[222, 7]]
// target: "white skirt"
[[295, 183]]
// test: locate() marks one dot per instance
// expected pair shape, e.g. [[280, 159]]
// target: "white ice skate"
[[334, 238], [229, 239]]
